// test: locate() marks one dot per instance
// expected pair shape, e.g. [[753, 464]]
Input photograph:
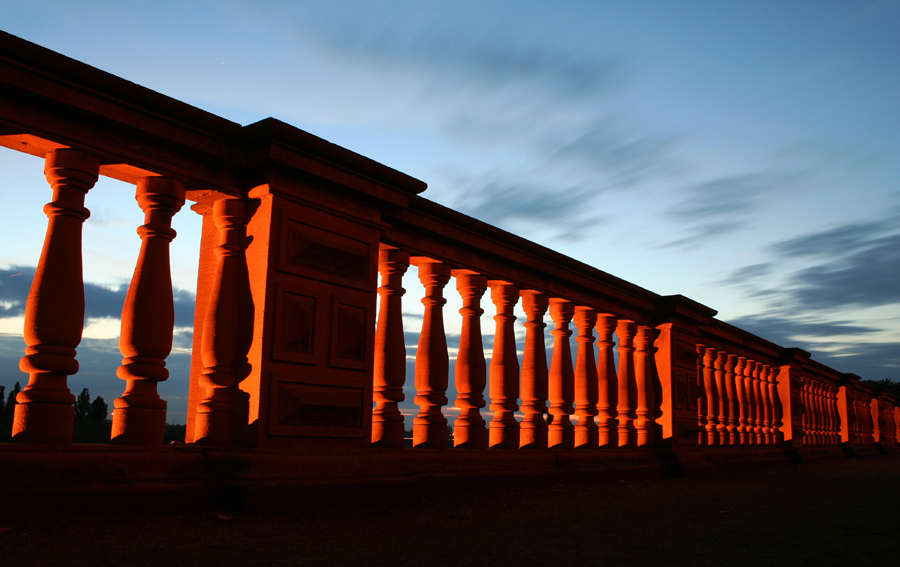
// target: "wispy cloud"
[[841, 268]]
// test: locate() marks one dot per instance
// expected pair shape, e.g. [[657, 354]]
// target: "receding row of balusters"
[[738, 399], [615, 406], [821, 420], [860, 426]]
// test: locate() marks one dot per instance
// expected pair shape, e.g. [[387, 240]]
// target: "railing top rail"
[[50, 101]]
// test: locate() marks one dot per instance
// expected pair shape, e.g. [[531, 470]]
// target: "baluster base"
[[533, 435], [212, 428], [430, 435], [137, 426], [43, 423], [388, 434]]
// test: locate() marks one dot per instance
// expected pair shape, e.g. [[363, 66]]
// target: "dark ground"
[[836, 512]]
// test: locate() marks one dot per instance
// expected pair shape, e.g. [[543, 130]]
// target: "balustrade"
[[365, 221]]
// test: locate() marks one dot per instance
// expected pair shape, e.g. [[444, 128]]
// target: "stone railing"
[[288, 349]]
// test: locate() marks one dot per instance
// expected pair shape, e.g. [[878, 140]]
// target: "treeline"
[[91, 419]]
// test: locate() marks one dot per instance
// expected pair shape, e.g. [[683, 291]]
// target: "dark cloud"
[[856, 265], [99, 301], [867, 358], [496, 202], [622, 159], [749, 274], [867, 277], [846, 239], [450, 51], [725, 205]]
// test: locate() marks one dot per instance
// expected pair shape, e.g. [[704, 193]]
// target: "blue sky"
[[742, 154]]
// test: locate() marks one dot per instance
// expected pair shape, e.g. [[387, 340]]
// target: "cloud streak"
[[99, 301]]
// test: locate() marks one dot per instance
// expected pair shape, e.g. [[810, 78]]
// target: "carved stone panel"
[[295, 327], [327, 256], [303, 408]]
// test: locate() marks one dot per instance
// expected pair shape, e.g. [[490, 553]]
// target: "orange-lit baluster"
[[757, 396], [721, 398], [709, 386], [765, 412], [607, 384], [732, 404], [562, 377], [586, 394], [54, 313], [533, 432], [390, 351], [751, 401], [148, 318], [221, 341], [627, 407], [772, 385], [824, 425], [645, 373], [702, 437], [804, 417], [817, 413], [504, 432], [432, 360], [741, 398], [469, 430]]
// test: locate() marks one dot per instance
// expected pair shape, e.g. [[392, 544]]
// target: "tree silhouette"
[[7, 412]]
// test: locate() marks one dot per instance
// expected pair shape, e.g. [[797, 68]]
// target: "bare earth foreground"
[[832, 512]]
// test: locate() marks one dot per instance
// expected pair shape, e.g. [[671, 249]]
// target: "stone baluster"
[[586, 392], [148, 318], [758, 399], [836, 415], [741, 397], [751, 401], [504, 388], [766, 404], [722, 398], [732, 405], [432, 360], [221, 341], [390, 351], [607, 384], [772, 385], [824, 404], [535, 376], [709, 386], [469, 430], [561, 432], [645, 373], [627, 398], [804, 419], [815, 391], [825, 409], [54, 312], [702, 437]]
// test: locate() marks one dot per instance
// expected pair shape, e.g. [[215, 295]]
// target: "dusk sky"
[[746, 155]]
